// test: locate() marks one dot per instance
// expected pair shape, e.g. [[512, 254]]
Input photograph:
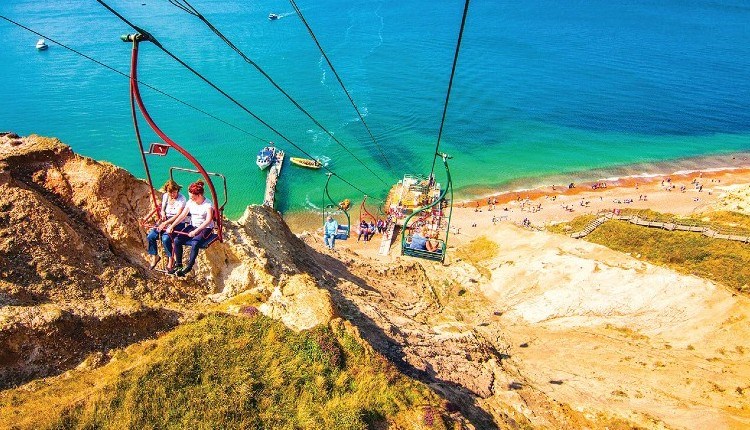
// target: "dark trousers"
[[197, 242]]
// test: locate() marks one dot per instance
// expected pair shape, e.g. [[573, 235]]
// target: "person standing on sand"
[[363, 230], [329, 232]]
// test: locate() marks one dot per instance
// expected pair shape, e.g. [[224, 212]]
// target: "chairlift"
[[435, 216], [162, 149], [333, 209], [364, 214]]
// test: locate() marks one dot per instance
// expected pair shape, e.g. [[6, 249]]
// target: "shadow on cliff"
[[65, 340], [459, 397]]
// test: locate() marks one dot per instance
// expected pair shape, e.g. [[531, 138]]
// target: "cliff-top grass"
[[721, 261], [231, 372]]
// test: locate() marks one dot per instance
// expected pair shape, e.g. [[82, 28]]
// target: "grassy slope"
[[722, 261], [232, 372]]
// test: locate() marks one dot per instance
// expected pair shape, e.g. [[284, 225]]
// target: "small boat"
[[273, 16], [306, 162], [41, 45], [265, 157]]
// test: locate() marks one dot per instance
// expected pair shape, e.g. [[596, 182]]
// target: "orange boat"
[[306, 162]]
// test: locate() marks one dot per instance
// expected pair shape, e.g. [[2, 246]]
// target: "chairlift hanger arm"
[[223, 178], [135, 93], [334, 205]]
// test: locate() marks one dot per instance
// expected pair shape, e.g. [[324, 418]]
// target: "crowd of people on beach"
[[533, 202]]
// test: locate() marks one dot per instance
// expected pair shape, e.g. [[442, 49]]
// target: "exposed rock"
[[527, 345], [299, 303]]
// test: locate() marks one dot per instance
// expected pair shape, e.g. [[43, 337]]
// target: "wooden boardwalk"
[[274, 171], [669, 226]]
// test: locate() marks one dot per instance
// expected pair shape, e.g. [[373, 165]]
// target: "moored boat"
[[266, 156], [306, 162], [41, 45]]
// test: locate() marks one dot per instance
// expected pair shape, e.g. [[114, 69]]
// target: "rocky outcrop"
[[73, 270]]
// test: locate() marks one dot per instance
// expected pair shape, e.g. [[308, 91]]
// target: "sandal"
[[156, 261]]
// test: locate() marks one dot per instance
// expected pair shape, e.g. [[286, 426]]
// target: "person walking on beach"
[[363, 230], [329, 232]]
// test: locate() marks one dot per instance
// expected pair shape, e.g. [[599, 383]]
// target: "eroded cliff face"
[[75, 284], [73, 271]]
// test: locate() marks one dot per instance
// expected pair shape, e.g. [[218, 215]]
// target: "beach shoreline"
[[623, 187], [682, 192]]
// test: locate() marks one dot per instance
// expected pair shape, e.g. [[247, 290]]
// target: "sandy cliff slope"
[[606, 333], [545, 332], [73, 273]]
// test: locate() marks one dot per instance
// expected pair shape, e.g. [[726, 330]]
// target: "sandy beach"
[[680, 193]]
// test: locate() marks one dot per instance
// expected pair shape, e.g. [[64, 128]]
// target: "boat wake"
[[324, 160]]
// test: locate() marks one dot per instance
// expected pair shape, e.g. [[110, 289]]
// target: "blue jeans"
[[151, 238], [166, 240], [329, 239], [181, 239]]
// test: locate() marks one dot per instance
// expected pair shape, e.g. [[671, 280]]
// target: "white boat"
[[273, 16], [265, 157], [41, 45]]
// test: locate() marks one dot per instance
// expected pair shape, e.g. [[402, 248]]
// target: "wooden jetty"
[[274, 171]]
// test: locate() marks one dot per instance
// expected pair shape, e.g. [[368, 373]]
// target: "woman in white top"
[[201, 212], [172, 204]]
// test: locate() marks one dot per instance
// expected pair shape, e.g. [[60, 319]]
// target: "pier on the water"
[[274, 171]]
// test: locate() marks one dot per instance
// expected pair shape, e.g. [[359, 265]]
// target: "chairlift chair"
[[330, 207]]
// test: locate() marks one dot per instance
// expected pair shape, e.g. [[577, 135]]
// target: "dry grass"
[[575, 225], [230, 372], [721, 261], [477, 251]]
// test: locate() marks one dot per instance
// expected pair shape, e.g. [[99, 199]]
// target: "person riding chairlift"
[[201, 213], [172, 203]]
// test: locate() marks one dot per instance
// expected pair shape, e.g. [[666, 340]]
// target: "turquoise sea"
[[545, 91]]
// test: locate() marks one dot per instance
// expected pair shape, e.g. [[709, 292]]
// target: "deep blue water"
[[543, 88]]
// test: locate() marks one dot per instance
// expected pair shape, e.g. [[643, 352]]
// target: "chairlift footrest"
[[427, 255]]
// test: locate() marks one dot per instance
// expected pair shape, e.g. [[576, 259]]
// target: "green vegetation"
[[232, 372], [722, 261], [721, 221]]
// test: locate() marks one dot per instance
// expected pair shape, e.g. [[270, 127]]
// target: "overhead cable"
[[57, 42], [450, 85], [338, 78], [184, 5], [214, 86]]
